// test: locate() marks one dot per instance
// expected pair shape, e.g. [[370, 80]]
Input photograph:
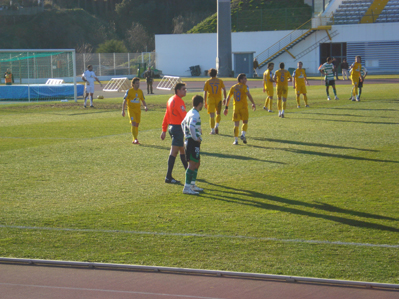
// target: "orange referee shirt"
[[175, 112]]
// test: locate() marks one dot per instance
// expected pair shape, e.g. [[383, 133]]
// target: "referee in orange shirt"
[[174, 115]]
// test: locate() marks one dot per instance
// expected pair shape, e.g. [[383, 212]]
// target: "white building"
[[377, 43]]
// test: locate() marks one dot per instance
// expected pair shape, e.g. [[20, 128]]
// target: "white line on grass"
[[199, 235]]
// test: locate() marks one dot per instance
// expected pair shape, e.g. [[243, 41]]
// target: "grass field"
[[314, 194]]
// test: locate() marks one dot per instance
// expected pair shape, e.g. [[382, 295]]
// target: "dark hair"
[[240, 76], [178, 86], [213, 72], [328, 59], [282, 65], [89, 65], [135, 79], [360, 57], [197, 99], [269, 64]]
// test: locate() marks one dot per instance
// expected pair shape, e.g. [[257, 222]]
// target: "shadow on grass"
[[364, 109], [352, 121], [345, 115], [312, 144], [234, 195]]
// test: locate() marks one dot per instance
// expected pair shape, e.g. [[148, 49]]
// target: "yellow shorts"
[[301, 89], [214, 105], [270, 91], [282, 91], [355, 80], [135, 116], [240, 114]]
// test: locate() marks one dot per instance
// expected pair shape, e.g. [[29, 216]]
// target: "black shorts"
[[330, 82], [360, 84], [176, 132], [192, 150]]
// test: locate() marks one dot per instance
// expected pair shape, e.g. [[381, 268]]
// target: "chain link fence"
[[115, 64]]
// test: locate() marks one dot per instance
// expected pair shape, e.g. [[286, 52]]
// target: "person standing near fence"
[[149, 76], [344, 69], [89, 76], [133, 98], [8, 77]]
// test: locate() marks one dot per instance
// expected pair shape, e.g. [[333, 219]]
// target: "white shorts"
[[90, 88]]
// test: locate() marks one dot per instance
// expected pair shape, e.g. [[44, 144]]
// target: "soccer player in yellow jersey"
[[299, 83], [268, 86], [240, 93], [356, 76], [282, 77], [213, 99], [132, 98]]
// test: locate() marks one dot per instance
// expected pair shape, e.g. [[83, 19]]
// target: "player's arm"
[[84, 78], [226, 109], [205, 98], [165, 124], [252, 100], [293, 81], [224, 94], [264, 82], [145, 105], [124, 103], [98, 81], [306, 78]]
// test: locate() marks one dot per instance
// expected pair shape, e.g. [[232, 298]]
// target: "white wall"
[[175, 53]]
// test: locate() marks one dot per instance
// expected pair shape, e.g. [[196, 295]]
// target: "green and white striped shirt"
[[328, 71], [191, 125]]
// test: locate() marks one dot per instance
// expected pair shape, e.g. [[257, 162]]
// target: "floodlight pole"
[[223, 59]]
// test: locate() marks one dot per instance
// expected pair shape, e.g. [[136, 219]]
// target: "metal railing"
[[284, 42]]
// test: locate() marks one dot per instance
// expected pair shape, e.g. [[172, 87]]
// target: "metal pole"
[[224, 59], [75, 92]]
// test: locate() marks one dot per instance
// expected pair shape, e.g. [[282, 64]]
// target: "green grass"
[[73, 187]]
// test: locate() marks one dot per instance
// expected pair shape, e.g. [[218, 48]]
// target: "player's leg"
[[298, 98], [305, 99], [328, 89], [176, 133], [87, 95], [91, 99], [334, 90], [218, 116], [284, 105], [193, 158], [236, 130], [270, 103], [212, 122], [267, 101]]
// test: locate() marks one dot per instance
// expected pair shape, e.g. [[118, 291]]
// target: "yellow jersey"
[[300, 76], [282, 77], [133, 98], [239, 92], [214, 87], [267, 79], [356, 68]]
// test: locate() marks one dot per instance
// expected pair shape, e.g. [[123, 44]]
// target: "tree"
[[138, 40], [112, 46]]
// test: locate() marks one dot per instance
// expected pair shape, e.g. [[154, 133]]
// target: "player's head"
[[213, 73], [135, 82], [241, 78], [344, 60], [358, 58], [329, 59], [198, 102], [300, 64], [180, 89], [270, 66], [89, 67], [282, 65]]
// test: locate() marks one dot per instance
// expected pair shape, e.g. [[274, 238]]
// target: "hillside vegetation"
[[260, 15], [84, 26]]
